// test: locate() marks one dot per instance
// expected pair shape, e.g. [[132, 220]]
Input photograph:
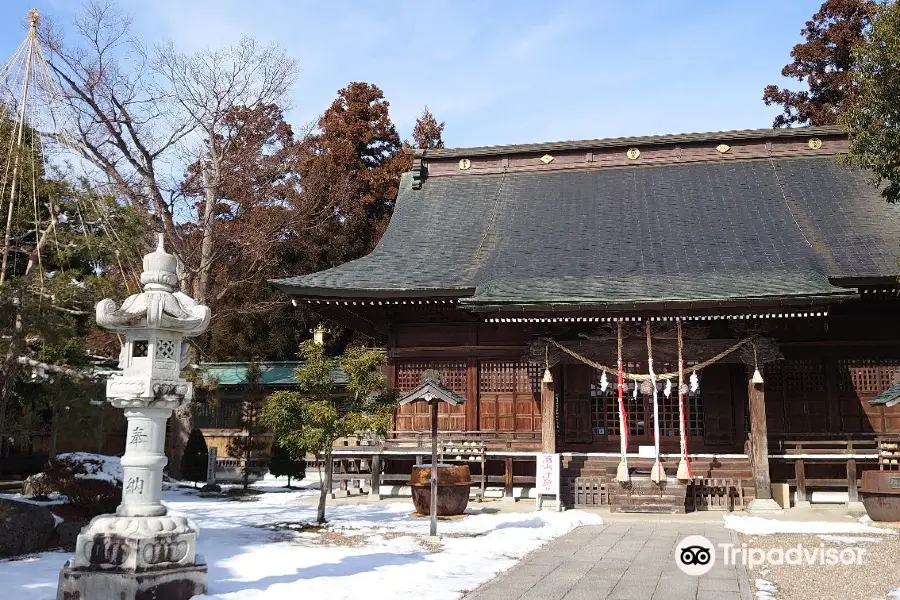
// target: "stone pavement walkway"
[[619, 561]]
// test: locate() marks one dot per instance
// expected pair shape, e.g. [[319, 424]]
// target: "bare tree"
[[135, 114], [209, 84]]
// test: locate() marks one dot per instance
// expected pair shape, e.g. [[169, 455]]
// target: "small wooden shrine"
[[675, 315]]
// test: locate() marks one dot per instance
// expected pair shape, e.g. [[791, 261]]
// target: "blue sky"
[[503, 72]]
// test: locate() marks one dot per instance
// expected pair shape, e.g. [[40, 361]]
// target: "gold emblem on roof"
[[633, 153], [547, 159], [723, 148], [464, 164], [814, 143]]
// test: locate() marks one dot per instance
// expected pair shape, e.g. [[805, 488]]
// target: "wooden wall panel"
[[509, 396]]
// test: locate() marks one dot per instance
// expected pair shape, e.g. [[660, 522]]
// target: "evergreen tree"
[[195, 458], [354, 161], [872, 119], [312, 420], [427, 132], [825, 62], [249, 443], [282, 464]]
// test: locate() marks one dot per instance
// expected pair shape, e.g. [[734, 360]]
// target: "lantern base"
[[178, 583], [136, 544]]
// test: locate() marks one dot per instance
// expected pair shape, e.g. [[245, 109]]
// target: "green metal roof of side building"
[[275, 373]]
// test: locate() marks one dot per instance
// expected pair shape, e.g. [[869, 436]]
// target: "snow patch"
[[894, 594], [765, 590], [97, 466], [763, 526]]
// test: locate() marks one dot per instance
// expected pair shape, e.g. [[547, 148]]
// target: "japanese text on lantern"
[[137, 436]]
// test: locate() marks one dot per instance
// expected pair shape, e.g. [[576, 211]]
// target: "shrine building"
[[689, 320]]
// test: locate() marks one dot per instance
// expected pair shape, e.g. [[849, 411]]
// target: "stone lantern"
[[141, 551]]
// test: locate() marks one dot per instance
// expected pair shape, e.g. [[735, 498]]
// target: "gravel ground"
[[874, 578]]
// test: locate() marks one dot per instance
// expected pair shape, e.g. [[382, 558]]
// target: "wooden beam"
[[759, 442], [458, 351], [548, 418]]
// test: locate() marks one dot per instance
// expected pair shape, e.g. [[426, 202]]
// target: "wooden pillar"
[[472, 394], [851, 481], [375, 479], [759, 442], [434, 466], [508, 477], [548, 418], [800, 476]]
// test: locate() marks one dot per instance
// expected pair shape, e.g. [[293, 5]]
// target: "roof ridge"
[[633, 140]]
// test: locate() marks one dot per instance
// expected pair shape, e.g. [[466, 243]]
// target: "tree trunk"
[[326, 488], [180, 425], [210, 182], [247, 448]]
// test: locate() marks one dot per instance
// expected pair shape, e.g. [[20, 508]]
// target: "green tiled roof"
[[888, 397], [273, 373]]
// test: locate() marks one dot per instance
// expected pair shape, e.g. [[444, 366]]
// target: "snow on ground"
[[894, 594], [762, 526], [378, 550], [765, 590]]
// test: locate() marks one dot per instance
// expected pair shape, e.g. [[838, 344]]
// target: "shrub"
[[281, 464], [90, 491], [195, 458]]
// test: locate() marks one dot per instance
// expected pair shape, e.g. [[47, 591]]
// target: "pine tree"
[[195, 458], [825, 62], [311, 419], [282, 464]]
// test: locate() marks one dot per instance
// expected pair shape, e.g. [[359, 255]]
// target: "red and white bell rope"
[[657, 473], [684, 465], [622, 471]]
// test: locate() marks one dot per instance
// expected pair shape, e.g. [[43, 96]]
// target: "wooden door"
[[718, 405], [576, 402], [509, 396]]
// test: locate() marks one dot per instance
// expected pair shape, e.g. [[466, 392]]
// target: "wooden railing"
[[847, 450], [494, 440]]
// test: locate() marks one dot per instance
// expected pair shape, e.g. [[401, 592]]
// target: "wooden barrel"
[[453, 486]]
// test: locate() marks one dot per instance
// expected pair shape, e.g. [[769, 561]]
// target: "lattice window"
[[510, 377], [453, 374], [803, 376], [416, 416], [165, 350], [867, 377], [604, 406]]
